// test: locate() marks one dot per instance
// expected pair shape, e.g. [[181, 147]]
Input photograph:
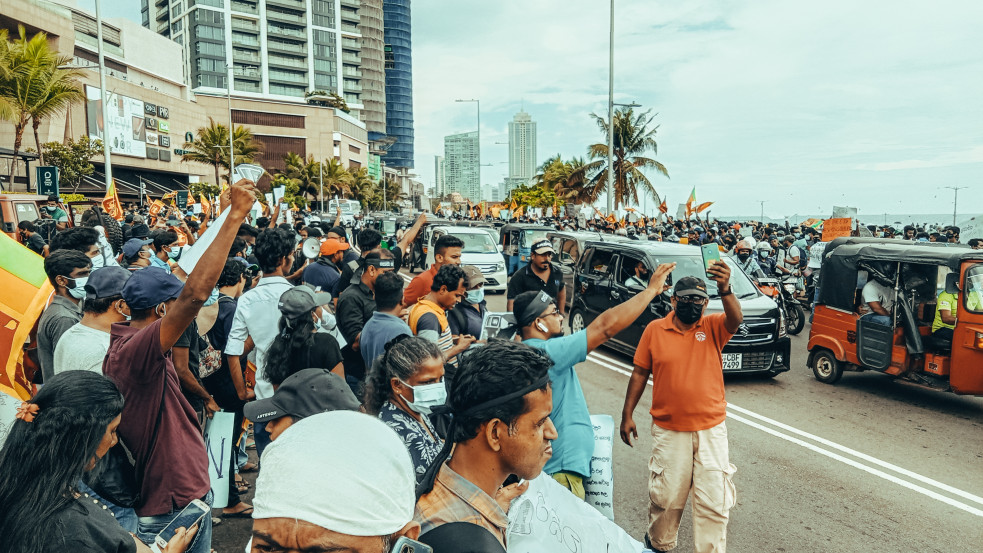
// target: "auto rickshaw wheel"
[[826, 367]]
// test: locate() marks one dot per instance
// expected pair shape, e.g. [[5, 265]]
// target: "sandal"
[[245, 513], [249, 467]]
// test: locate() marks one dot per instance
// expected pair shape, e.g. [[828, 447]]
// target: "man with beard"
[[539, 322], [747, 261], [682, 353]]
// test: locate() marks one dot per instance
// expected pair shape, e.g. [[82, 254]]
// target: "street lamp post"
[[232, 148], [105, 101], [955, 201], [478, 104], [611, 113]]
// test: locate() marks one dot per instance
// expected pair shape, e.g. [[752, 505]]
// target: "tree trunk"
[[217, 183], [18, 139], [35, 124]]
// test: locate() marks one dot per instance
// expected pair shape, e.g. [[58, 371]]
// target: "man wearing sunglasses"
[[682, 353], [540, 325], [539, 275]]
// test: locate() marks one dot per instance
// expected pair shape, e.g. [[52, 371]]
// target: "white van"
[[479, 250]]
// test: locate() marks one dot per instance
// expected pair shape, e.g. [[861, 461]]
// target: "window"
[[285, 90], [213, 3], [215, 66], [209, 16], [205, 31], [210, 49], [600, 263], [973, 289], [629, 277], [211, 81], [27, 211]]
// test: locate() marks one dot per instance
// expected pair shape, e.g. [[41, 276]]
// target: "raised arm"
[[616, 319], [410, 235]]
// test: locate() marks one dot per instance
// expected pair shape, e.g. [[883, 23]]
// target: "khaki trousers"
[[685, 464]]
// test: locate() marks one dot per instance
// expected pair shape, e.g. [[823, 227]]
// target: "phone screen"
[[406, 545], [710, 253], [187, 518]]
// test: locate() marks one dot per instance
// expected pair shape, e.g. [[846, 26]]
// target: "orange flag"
[[663, 207], [112, 204], [702, 207], [24, 292], [206, 206]]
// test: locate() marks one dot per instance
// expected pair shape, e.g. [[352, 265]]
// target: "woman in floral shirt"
[[402, 388]]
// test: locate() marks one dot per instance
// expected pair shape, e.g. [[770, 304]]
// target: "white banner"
[[550, 519], [191, 254], [218, 443], [599, 487]]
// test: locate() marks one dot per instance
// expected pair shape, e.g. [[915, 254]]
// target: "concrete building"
[[522, 146], [157, 111], [373, 68], [279, 49], [461, 165], [440, 182], [399, 82]]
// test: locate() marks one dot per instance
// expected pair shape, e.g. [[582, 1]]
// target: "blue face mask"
[[764, 255], [212, 298], [475, 296], [249, 251]]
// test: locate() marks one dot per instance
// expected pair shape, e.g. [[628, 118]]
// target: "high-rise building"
[[280, 49], [522, 146], [439, 182], [399, 82], [373, 71], [461, 165]]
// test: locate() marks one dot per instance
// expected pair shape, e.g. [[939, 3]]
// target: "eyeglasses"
[[698, 300]]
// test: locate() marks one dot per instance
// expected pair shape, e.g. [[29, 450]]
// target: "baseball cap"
[[138, 219], [301, 300], [106, 282], [528, 306], [332, 246], [133, 245], [542, 247], [302, 394], [690, 286], [474, 276], [150, 286]]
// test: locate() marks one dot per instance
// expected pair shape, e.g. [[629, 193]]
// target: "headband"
[[532, 311]]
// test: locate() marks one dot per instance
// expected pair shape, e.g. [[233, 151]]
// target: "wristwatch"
[[729, 292]]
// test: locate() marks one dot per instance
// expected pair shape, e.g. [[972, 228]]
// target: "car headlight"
[[500, 266], [790, 288], [782, 327]]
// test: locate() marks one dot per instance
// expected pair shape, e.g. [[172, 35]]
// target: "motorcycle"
[[782, 290]]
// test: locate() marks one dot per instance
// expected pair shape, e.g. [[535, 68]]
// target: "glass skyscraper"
[[399, 82]]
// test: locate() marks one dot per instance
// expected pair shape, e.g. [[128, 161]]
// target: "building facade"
[[522, 146], [399, 82], [461, 165], [440, 183], [373, 71]]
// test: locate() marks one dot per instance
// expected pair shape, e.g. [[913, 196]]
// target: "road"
[[869, 464]]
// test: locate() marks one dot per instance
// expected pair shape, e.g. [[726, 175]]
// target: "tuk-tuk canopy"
[[843, 257]]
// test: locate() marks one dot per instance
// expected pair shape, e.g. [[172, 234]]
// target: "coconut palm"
[[337, 180], [554, 174], [34, 87], [303, 172], [211, 147], [633, 139], [363, 188]]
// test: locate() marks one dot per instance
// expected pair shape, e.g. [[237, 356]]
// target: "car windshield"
[[530, 237], [693, 266], [388, 227], [477, 243]]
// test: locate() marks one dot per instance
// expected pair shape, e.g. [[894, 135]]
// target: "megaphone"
[[311, 248]]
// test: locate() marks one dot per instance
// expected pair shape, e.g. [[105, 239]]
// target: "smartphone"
[[711, 253], [406, 545], [190, 516]]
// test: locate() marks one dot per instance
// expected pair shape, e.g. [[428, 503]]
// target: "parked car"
[[602, 280], [15, 208], [479, 250]]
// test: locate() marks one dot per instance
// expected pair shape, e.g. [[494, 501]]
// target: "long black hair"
[[403, 357], [290, 348], [42, 461]]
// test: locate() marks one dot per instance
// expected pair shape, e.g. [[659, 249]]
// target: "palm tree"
[[337, 180], [211, 146], [6, 72], [363, 187], [304, 173], [554, 174], [34, 87], [632, 140]]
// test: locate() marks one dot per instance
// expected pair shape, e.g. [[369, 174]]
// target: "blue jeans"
[[875, 318], [125, 516], [202, 543]]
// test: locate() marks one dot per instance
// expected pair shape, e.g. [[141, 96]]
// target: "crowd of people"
[[441, 425]]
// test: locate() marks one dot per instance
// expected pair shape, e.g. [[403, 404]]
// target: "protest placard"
[[218, 443], [599, 487], [836, 228]]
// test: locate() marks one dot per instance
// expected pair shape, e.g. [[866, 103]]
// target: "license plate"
[[732, 361]]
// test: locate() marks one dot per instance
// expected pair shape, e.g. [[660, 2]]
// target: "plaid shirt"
[[455, 499]]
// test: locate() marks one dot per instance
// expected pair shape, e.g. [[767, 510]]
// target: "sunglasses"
[[698, 300]]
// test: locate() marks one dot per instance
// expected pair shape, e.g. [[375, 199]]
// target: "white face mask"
[[427, 397], [98, 261], [78, 290], [174, 252]]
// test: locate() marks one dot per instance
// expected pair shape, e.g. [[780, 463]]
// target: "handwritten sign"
[[8, 412], [836, 228], [599, 487], [218, 443], [550, 519]]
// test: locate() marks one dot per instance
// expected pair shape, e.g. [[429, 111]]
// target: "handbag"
[[119, 478]]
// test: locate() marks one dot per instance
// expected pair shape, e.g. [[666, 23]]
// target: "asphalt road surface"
[[868, 464]]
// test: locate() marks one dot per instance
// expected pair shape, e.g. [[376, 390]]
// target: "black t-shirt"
[[191, 340], [36, 243], [348, 269], [525, 280], [219, 383], [85, 526], [324, 353]]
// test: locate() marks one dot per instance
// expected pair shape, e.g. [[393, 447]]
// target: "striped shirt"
[[428, 321], [456, 499]]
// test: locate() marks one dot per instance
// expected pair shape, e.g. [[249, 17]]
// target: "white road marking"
[[625, 369]]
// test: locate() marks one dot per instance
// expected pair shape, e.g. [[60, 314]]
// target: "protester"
[[299, 345], [386, 323], [83, 346], [369, 240], [165, 249], [447, 251], [467, 316], [539, 274], [946, 309], [539, 324], [139, 361], [428, 317], [55, 213], [878, 302], [501, 400], [137, 253], [682, 353], [788, 258], [302, 394], [746, 261], [402, 389], [255, 312], [68, 272], [366, 514], [60, 435], [356, 306], [324, 273], [31, 239]]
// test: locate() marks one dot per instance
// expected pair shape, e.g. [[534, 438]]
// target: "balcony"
[[251, 73], [351, 16], [245, 55], [349, 28], [281, 46], [351, 86], [240, 24], [352, 43], [284, 16], [349, 57], [284, 61], [351, 3], [352, 72], [288, 77], [160, 3], [298, 5], [239, 39], [244, 7], [286, 32]]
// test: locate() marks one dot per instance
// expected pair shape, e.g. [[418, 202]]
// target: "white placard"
[[550, 519], [269, 200], [218, 444], [278, 193], [8, 414], [191, 254], [599, 487]]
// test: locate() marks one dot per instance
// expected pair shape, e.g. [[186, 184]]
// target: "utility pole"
[[105, 101], [955, 200], [611, 114], [762, 220], [232, 148], [320, 176]]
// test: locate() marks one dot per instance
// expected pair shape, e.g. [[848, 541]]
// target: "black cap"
[[528, 306], [690, 286], [106, 282], [302, 394]]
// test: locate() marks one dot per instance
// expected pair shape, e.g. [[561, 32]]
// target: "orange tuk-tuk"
[[916, 276]]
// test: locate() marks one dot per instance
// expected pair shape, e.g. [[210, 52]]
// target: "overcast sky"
[[802, 104]]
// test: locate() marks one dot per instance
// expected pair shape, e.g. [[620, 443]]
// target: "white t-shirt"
[[816, 255], [792, 251], [81, 348], [875, 291]]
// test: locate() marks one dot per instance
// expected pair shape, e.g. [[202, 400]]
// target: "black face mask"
[[688, 313], [743, 256]]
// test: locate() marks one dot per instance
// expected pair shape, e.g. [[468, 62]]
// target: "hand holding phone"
[[406, 545], [187, 519], [711, 253]]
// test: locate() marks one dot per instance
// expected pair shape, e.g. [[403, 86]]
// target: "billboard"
[[375, 168], [123, 123]]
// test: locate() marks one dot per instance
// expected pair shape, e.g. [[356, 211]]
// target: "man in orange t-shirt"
[[682, 353]]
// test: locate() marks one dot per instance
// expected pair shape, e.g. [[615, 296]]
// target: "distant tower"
[[399, 82], [522, 147], [440, 183], [461, 165]]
